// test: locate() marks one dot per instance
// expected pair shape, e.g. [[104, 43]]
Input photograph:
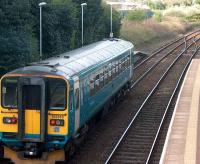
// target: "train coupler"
[[31, 150]]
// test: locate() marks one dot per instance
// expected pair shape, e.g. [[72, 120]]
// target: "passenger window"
[[120, 67], [97, 83], [129, 61], [113, 69], [117, 68], [101, 78], [84, 88], [110, 72], [106, 75], [123, 64], [92, 91]]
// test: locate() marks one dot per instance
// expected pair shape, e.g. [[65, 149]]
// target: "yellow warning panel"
[[51, 158]]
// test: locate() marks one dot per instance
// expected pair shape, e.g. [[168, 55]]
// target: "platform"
[[182, 143]]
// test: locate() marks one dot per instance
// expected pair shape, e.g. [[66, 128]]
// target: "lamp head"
[[83, 4], [110, 3], [42, 4]]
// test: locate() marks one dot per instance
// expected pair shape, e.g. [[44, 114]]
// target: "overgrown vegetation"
[[182, 11], [158, 16], [138, 15], [19, 28], [167, 23], [156, 5]]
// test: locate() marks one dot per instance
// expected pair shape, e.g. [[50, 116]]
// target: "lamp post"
[[82, 5], [41, 5], [111, 30], [111, 17]]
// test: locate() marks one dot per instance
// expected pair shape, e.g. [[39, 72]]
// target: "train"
[[47, 105]]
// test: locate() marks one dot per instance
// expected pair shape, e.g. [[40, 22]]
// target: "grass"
[[150, 34]]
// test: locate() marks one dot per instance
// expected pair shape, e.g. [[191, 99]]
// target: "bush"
[[197, 1], [193, 18], [136, 15], [189, 12], [157, 5], [174, 12], [158, 16]]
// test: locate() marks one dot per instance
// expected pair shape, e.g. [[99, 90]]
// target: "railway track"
[[100, 142], [138, 140], [150, 62], [166, 48]]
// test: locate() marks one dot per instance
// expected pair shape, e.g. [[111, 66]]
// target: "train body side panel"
[[91, 105]]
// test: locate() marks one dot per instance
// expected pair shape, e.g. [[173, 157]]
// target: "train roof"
[[81, 59]]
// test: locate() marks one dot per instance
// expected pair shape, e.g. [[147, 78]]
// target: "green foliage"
[[193, 18], [19, 28], [158, 16], [15, 33], [156, 5], [197, 2], [136, 15]]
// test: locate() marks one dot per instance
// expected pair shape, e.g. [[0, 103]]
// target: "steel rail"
[[169, 103], [145, 101], [163, 48], [155, 64]]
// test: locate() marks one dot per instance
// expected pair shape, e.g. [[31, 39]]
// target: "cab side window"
[[77, 98]]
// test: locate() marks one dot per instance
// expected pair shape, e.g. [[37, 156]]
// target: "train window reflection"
[[57, 94], [32, 96], [9, 92]]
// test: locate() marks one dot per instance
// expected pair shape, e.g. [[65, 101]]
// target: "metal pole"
[[40, 32], [82, 24], [111, 31], [40, 5]]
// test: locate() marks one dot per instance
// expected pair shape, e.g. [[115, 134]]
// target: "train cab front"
[[34, 115]]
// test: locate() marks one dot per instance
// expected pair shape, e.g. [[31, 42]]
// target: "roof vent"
[[57, 64], [66, 57]]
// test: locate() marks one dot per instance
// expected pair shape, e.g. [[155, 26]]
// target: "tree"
[[19, 30], [15, 33]]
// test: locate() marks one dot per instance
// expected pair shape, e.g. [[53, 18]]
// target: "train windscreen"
[[9, 92], [56, 93]]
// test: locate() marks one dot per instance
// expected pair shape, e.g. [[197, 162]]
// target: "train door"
[[31, 106], [77, 103]]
